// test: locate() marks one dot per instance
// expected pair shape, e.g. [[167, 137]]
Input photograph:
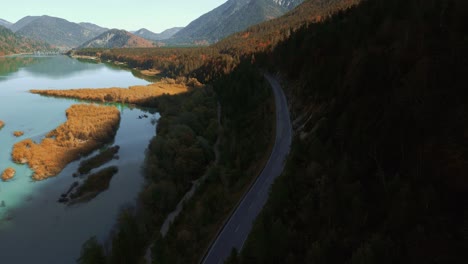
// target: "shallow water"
[[34, 228]]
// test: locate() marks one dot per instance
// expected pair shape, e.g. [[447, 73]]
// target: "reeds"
[[87, 128]]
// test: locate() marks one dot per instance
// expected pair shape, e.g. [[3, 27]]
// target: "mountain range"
[[233, 16], [65, 35], [55, 31], [147, 34]]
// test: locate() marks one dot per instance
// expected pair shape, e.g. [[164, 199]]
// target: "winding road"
[[237, 228]]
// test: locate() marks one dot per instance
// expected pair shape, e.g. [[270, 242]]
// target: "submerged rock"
[[63, 200]]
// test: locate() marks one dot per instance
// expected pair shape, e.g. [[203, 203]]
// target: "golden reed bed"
[[87, 128], [139, 95]]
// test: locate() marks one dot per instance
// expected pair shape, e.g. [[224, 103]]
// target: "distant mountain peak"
[[231, 17], [117, 38], [147, 34], [56, 31]]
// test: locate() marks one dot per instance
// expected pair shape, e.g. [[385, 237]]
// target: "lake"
[[34, 227]]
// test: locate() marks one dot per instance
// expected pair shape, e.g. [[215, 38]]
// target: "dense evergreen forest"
[[377, 170]]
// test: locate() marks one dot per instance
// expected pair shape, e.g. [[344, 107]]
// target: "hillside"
[[377, 171], [265, 36], [149, 35], [22, 23], [94, 28], [10, 43], [55, 31], [116, 38], [233, 16], [5, 23]]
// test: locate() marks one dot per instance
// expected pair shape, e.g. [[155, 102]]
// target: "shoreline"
[[32, 53], [146, 72]]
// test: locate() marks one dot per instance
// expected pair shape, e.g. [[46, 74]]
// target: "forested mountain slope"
[[208, 63], [378, 169], [233, 16], [116, 38], [10, 43]]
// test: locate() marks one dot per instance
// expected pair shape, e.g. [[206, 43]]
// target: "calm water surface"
[[34, 228]]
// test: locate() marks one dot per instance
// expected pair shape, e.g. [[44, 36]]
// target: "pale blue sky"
[[155, 15]]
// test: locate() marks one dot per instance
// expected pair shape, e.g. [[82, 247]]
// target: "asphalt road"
[[236, 230]]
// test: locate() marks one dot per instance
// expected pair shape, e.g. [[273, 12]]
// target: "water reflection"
[[31, 220], [57, 67]]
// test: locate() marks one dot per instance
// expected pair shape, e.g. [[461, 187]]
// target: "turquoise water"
[[34, 228]]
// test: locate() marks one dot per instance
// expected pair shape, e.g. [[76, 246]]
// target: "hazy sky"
[[155, 15]]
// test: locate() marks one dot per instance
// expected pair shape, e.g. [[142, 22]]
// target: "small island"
[[93, 186], [8, 174], [140, 94], [2, 124], [100, 159], [18, 133], [88, 127]]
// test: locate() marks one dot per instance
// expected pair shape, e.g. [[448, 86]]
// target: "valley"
[[262, 131]]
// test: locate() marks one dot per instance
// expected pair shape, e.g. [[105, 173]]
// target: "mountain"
[[268, 34], [168, 33], [5, 23], [145, 33], [55, 31], [10, 43], [116, 38], [233, 16], [22, 23], [377, 171], [94, 28]]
